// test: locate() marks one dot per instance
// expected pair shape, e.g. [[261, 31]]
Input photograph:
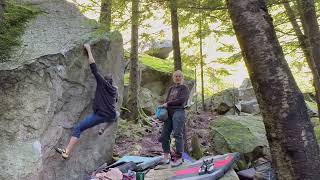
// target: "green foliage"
[[316, 125], [191, 61], [302, 74], [216, 78], [13, 26], [126, 78], [237, 57], [284, 29], [312, 105], [216, 25], [226, 48]]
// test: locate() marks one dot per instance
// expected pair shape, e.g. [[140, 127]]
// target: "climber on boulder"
[[104, 106]]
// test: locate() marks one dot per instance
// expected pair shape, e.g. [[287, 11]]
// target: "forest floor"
[[143, 140]]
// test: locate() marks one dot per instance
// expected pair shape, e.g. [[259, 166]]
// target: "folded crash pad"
[[222, 164]]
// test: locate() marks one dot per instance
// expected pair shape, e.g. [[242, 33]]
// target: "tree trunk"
[[2, 8], [134, 65], [175, 35], [294, 149], [201, 65], [105, 14], [312, 33], [195, 86]]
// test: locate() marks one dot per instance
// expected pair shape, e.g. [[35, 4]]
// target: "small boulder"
[[160, 49]]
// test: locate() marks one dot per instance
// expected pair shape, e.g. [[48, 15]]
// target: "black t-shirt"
[[105, 98]]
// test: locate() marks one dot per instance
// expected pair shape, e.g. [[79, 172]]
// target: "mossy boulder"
[[156, 76], [13, 26], [238, 134]]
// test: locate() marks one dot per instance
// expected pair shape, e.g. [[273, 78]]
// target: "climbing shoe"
[[210, 168], [176, 162], [63, 152], [203, 168], [164, 161], [101, 131]]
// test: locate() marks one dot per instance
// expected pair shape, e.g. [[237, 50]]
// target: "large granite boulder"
[[248, 101], [246, 91], [153, 90], [250, 107], [158, 83], [160, 49], [147, 101], [223, 101], [46, 88], [238, 134], [154, 80], [234, 100]]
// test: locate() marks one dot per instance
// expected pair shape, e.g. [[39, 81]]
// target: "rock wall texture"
[[47, 87]]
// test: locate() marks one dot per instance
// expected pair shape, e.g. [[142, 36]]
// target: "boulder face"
[[241, 134], [46, 88], [246, 91], [160, 49], [159, 82], [147, 101], [156, 81], [238, 133], [153, 90], [248, 101], [223, 101]]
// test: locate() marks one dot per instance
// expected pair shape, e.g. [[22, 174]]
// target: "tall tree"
[[195, 87], [175, 35], [312, 33], [105, 14], [134, 81], [294, 149], [306, 48], [201, 60]]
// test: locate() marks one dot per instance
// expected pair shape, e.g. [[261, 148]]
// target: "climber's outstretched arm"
[[89, 53]]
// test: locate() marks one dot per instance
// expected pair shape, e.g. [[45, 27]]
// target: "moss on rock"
[[165, 66], [238, 133], [15, 18]]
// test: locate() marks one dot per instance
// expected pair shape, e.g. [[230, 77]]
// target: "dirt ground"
[[139, 140]]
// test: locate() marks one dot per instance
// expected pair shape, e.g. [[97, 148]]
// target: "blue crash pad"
[[142, 162]]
